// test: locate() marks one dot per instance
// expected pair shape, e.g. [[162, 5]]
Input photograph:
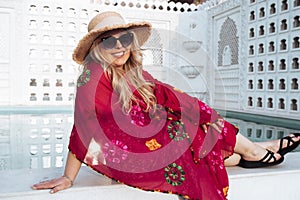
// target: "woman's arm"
[[71, 170]]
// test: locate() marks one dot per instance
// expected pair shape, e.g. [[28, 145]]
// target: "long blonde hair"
[[132, 78]]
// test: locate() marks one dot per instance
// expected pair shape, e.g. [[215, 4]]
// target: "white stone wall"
[[194, 51], [226, 33], [266, 78], [38, 38], [31, 141], [7, 48], [275, 73]]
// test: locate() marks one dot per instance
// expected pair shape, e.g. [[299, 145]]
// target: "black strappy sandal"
[[264, 162], [291, 144]]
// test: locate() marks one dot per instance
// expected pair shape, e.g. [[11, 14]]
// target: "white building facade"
[[250, 49], [273, 71], [255, 45], [238, 56]]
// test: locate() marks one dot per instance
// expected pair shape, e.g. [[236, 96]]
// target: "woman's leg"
[[250, 151], [247, 150], [233, 160]]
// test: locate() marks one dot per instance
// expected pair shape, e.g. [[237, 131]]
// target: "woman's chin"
[[118, 65], [119, 62]]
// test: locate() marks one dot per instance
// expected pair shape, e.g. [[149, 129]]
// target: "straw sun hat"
[[108, 21]]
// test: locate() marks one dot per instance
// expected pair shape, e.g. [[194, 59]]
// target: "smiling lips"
[[118, 54]]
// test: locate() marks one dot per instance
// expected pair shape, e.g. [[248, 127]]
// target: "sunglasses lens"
[[126, 39], [109, 43]]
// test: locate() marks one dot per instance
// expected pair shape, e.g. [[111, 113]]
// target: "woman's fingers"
[[218, 125], [55, 185], [204, 127], [43, 185], [58, 188]]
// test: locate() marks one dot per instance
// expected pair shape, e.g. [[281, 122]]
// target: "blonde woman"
[[147, 134]]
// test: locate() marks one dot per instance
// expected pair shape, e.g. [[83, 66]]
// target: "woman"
[[147, 134]]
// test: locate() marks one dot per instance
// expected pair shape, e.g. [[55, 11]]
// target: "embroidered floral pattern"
[[176, 130], [115, 152], [84, 78], [138, 117], [174, 174], [216, 159], [153, 144], [205, 108]]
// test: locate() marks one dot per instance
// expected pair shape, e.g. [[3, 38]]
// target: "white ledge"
[[273, 183]]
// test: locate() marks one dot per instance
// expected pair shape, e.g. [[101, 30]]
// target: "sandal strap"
[[289, 141], [281, 143], [268, 157]]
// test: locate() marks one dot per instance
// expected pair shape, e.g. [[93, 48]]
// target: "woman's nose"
[[118, 45]]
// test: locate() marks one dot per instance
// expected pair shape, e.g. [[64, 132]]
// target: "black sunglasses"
[[110, 42]]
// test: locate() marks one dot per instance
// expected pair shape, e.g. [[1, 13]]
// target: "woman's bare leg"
[[233, 160], [247, 150]]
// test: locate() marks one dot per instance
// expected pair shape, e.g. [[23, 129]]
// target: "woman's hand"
[[55, 185], [218, 125], [65, 181]]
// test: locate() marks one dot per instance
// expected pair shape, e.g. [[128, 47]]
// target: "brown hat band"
[[109, 21]]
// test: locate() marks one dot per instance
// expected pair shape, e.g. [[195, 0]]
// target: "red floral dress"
[[164, 149]]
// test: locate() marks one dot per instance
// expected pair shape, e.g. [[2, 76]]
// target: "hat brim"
[[141, 29]]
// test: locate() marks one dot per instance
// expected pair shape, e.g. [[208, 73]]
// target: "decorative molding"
[[225, 6], [162, 5], [210, 4], [191, 46], [230, 86], [191, 71]]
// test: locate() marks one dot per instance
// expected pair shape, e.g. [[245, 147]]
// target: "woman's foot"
[[268, 160], [259, 157], [233, 160], [254, 155], [283, 145]]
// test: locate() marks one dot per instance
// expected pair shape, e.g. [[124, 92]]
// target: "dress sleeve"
[[182, 103], [91, 86], [76, 146]]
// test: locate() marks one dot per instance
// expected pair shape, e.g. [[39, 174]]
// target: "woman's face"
[[115, 47]]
